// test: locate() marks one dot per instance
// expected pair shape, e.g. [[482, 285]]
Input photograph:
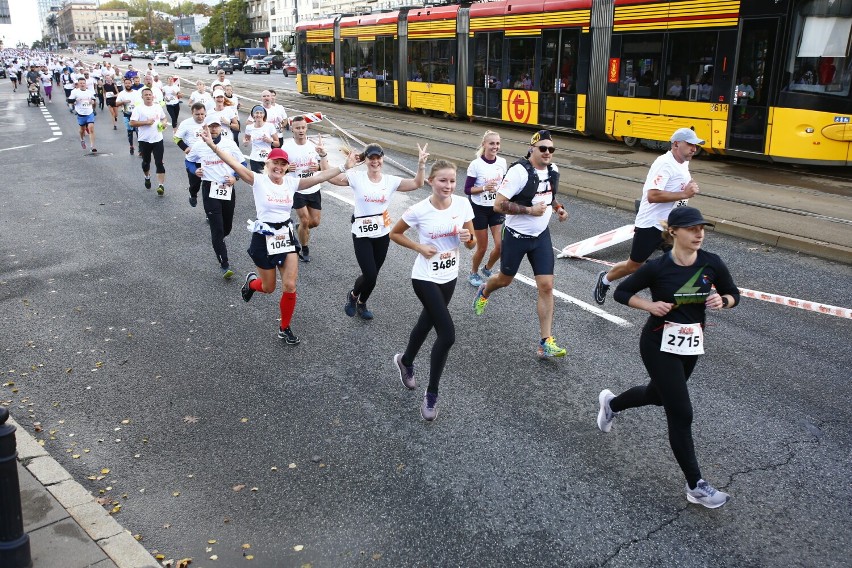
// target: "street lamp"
[[224, 26]]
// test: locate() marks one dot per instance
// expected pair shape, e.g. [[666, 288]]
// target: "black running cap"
[[686, 217], [373, 150]]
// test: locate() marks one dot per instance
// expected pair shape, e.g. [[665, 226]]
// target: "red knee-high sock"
[[256, 285], [288, 306]]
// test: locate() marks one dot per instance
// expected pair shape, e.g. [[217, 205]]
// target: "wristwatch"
[[725, 301]]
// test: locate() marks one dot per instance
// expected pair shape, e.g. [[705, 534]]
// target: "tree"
[[52, 22], [161, 30], [238, 26]]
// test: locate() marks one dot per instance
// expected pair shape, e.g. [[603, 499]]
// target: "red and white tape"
[[598, 242], [796, 303], [310, 117]]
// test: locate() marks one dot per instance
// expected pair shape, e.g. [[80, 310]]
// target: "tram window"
[[432, 61], [365, 59], [488, 60], [819, 61], [689, 71], [418, 55], [319, 54], [521, 63], [640, 66], [349, 53]]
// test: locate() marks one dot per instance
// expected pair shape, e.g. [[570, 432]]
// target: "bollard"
[[14, 542]]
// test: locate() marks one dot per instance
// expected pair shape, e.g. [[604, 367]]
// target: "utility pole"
[[150, 29], [224, 27]]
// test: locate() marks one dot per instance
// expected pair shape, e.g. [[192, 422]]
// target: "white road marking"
[[14, 148], [579, 303]]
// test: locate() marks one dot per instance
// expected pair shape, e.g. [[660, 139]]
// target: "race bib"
[[683, 339], [279, 244], [263, 155], [444, 264], [109, 94], [372, 226], [221, 191], [488, 196], [682, 203]]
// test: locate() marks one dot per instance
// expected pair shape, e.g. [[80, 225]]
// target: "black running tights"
[[669, 374], [435, 299], [221, 216], [370, 254], [148, 149]]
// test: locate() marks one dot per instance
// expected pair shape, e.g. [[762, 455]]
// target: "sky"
[[25, 26]]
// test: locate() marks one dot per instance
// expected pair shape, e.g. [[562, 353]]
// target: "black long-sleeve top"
[[685, 286]]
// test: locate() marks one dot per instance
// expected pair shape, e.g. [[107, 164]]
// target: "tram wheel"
[[630, 141]]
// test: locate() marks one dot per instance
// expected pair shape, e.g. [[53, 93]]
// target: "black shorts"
[[261, 257], [484, 217], [312, 200], [538, 250], [645, 242]]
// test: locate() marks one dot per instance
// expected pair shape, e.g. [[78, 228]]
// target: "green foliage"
[[212, 36]]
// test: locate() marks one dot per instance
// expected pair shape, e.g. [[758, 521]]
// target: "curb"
[[116, 542]]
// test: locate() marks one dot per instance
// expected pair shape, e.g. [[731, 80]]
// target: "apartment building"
[[81, 24]]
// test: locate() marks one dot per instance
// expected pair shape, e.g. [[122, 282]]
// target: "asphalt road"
[[120, 339]]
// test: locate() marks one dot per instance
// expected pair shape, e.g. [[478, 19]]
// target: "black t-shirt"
[[685, 286]]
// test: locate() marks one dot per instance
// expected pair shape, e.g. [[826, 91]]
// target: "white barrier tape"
[[796, 303], [598, 242]]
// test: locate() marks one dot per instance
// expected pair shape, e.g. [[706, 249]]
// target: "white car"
[[183, 62], [161, 60]]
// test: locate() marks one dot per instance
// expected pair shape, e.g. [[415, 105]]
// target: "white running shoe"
[[605, 414]]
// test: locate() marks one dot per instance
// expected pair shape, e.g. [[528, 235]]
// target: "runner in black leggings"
[[681, 284], [371, 222], [443, 221]]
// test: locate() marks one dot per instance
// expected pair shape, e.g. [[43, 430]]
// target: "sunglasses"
[[544, 149]]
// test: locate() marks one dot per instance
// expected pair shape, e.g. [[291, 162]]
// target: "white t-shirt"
[[513, 183], [196, 97], [259, 148], [218, 83], [234, 100], [666, 174], [83, 104], [302, 157], [128, 100], [274, 202], [277, 116], [213, 168], [372, 200], [484, 173], [149, 133], [170, 94], [188, 130], [225, 115], [440, 228]]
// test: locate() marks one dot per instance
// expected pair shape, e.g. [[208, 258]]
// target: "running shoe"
[[246, 290], [605, 414], [599, 293], [193, 201], [147, 183], [475, 279], [363, 312], [227, 272], [479, 301], [548, 348], [406, 373], [304, 256], [160, 189], [349, 309], [288, 336], [114, 127], [429, 408], [707, 495], [131, 150], [485, 272], [94, 150], [83, 144]]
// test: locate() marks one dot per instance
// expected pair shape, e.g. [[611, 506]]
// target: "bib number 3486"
[[683, 339]]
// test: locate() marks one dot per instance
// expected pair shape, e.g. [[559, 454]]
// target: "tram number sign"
[[614, 66], [841, 119], [718, 108], [518, 106]]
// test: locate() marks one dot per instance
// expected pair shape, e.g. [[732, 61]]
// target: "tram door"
[[349, 47], [557, 99], [385, 72], [749, 111], [488, 74]]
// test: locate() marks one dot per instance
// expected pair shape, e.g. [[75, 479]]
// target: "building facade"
[[45, 9], [5, 14], [191, 26], [258, 16], [81, 25]]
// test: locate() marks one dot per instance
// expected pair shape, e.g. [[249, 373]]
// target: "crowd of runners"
[[510, 205]]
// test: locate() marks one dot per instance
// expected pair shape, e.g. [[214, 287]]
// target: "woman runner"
[[273, 243], [371, 222], [681, 284], [262, 136], [442, 220], [484, 176]]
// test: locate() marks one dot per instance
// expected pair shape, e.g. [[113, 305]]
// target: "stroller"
[[34, 98]]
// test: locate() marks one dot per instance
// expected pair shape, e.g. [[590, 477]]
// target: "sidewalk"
[[66, 526]]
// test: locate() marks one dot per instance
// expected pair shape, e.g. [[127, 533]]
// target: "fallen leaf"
[[239, 487], [211, 542], [243, 420], [249, 556], [255, 489], [292, 466], [105, 471], [176, 494], [377, 556], [214, 557], [246, 546], [298, 548], [190, 419], [183, 562]]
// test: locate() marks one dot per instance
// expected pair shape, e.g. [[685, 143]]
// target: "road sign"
[[131, 46]]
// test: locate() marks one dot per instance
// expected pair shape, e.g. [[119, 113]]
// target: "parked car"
[[183, 62], [2, 72], [106, 54], [221, 63], [289, 67], [174, 55], [236, 62], [161, 59], [275, 61], [90, 51], [256, 65], [207, 58], [126, 57]]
